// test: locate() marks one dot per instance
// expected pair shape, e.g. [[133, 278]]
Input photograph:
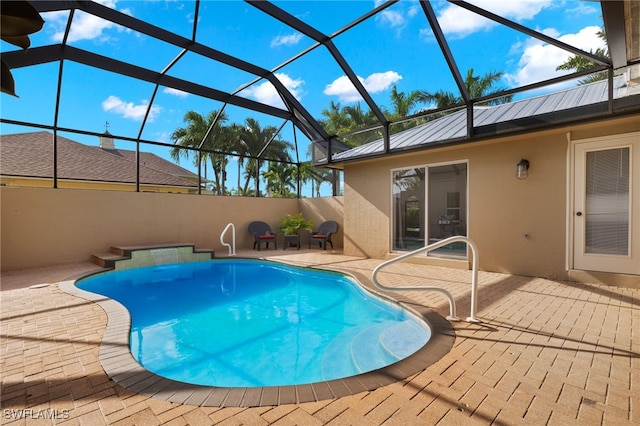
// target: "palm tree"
[[441, 98], [280, 179], [341, 120], [303, 173], [192, 136], [254, 138], [478, 87], [226, 142], [241, 148], [306, 172], [580, 63], [358, 118], [318, 175], [337, 121], [321, 175], [403, 105]]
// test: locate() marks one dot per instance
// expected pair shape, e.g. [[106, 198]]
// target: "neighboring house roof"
[[453, 127], [30, 155]]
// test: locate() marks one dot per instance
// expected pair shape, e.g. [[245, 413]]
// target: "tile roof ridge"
[[147, 166], [117, 152]]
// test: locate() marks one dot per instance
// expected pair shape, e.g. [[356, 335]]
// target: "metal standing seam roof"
[[454, 126], [29, 155]]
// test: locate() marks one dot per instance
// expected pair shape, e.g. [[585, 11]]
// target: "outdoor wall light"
[[522, 170]]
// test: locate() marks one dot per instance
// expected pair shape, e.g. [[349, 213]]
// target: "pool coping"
[[121, 367]]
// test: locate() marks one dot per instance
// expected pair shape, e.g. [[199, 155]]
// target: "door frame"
[[604, 142]]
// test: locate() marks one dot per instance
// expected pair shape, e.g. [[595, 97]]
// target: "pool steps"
[[126, 257], [334, 362], [371, 347], [400, 339], [367, 351]]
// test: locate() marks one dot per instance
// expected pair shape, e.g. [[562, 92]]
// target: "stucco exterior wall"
[[323, 209], [43, 227], [519, 226]]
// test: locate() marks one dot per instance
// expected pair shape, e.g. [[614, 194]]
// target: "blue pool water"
[[247, 323]]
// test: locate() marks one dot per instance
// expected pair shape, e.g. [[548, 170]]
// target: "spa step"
[[107, 260], [127, 250], [124, 253]]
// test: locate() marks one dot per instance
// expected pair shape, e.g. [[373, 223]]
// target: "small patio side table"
[[291, 241]]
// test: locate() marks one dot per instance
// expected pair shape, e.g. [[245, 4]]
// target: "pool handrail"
[[452, 304], [232, 246]]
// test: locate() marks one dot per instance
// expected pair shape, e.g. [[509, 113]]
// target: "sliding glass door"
[[430, 204]]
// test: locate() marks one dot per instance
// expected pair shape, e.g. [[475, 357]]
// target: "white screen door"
[[606, 213]]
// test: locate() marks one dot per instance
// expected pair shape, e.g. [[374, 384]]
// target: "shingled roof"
[[30, 155]]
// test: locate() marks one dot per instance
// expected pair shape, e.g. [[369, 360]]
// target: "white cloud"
[[377, 82], [175, 92], [163, 137], [458, 22], [539, 60], [128, 109], [392, 18], [583, 9], [286, 40], [346, 91], [266, 93], [84, 26], [396, 17]]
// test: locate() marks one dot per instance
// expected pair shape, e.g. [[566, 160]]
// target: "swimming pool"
[[254, 323]]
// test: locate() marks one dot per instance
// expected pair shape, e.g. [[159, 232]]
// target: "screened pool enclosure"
[[250, 70]]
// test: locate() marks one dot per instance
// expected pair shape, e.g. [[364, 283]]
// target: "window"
[[430, 204], [607, 201]]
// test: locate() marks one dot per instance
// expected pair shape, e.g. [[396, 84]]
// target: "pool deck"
[[547, 352]]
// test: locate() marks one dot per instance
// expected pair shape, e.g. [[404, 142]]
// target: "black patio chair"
[[323, 234], [262, 233]]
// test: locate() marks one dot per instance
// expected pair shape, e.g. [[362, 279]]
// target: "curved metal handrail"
[[232, 246], [452, 304]]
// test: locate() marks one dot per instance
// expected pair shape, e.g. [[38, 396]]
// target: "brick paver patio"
[[547, 352]]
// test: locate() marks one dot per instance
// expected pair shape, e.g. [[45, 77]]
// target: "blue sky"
[[396, 47]]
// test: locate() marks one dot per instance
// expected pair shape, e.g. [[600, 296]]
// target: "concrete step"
[[120, 253], [107, 260]]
